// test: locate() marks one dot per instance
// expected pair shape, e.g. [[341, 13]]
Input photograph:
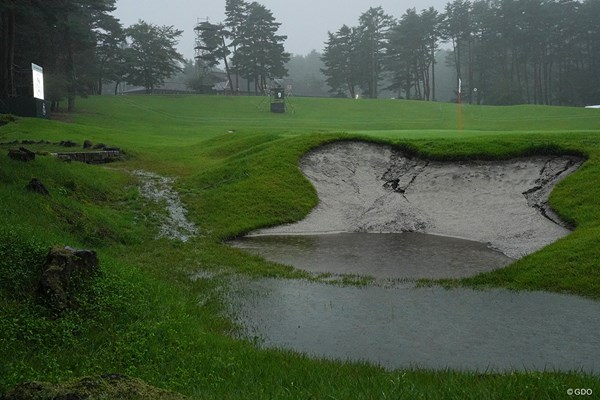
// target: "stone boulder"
[[67, 143], [36, 186], [64, 265], [22, 154]]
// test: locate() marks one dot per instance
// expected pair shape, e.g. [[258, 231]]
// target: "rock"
[[67, 143], [99, 146], [108, 386], [37, 187], [87, 144], [22, 154], [91, 157], [63, 265]]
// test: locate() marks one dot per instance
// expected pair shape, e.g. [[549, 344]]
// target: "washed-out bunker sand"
[[364, 187]]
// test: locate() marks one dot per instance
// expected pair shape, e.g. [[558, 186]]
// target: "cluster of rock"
[[102, 154], [91, 157], [21, 154], [63, 143]]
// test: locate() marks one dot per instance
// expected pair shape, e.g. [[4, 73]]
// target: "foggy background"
[[305, 22]]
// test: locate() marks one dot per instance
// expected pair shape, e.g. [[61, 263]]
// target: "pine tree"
[[340, 59], [260, 53], [153, 54], [374, 25], [236, 12]]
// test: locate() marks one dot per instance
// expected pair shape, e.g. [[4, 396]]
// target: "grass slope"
[[237, 170]]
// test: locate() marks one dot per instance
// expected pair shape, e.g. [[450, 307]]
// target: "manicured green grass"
[[145, 317]]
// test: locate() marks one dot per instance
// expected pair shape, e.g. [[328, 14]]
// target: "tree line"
[[247, 43], [80, 45], [503, 52]]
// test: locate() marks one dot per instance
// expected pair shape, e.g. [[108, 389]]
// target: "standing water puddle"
[[434, 328], [402, 327], [392, 255]]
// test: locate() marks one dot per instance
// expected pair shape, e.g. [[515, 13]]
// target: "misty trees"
[[306, 73], [456, 28], [111, 57], [372, 38], [533, 51], [260, 53], [511, 51], [354, 56], [256, 50], [152, 54], [79, 23], [526, 51], [79, 44], [212, 37], [235, 12], [60, 36], [403, 50], [341, 62], [411, 54], [7, 46]]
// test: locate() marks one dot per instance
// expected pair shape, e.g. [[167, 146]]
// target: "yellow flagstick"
[[460, 122]]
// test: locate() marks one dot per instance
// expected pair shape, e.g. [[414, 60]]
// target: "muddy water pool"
[[399, 325], [434, 328], [407, 255]]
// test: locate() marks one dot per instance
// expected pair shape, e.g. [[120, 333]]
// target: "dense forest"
[[503, 52], [81, 46]]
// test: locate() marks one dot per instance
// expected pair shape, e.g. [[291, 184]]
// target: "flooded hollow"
[[433, 328], [387, 215], [386, 256], [364, 187]]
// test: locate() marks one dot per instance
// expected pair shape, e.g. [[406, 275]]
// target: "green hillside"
[[236, 170]]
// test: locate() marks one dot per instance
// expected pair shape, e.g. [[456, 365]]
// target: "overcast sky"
[[305, 22]]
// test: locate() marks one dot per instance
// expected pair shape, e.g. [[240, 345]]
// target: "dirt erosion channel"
[[399, 219]]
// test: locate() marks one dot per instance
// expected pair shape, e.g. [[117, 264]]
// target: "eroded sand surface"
[[365, 187]]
